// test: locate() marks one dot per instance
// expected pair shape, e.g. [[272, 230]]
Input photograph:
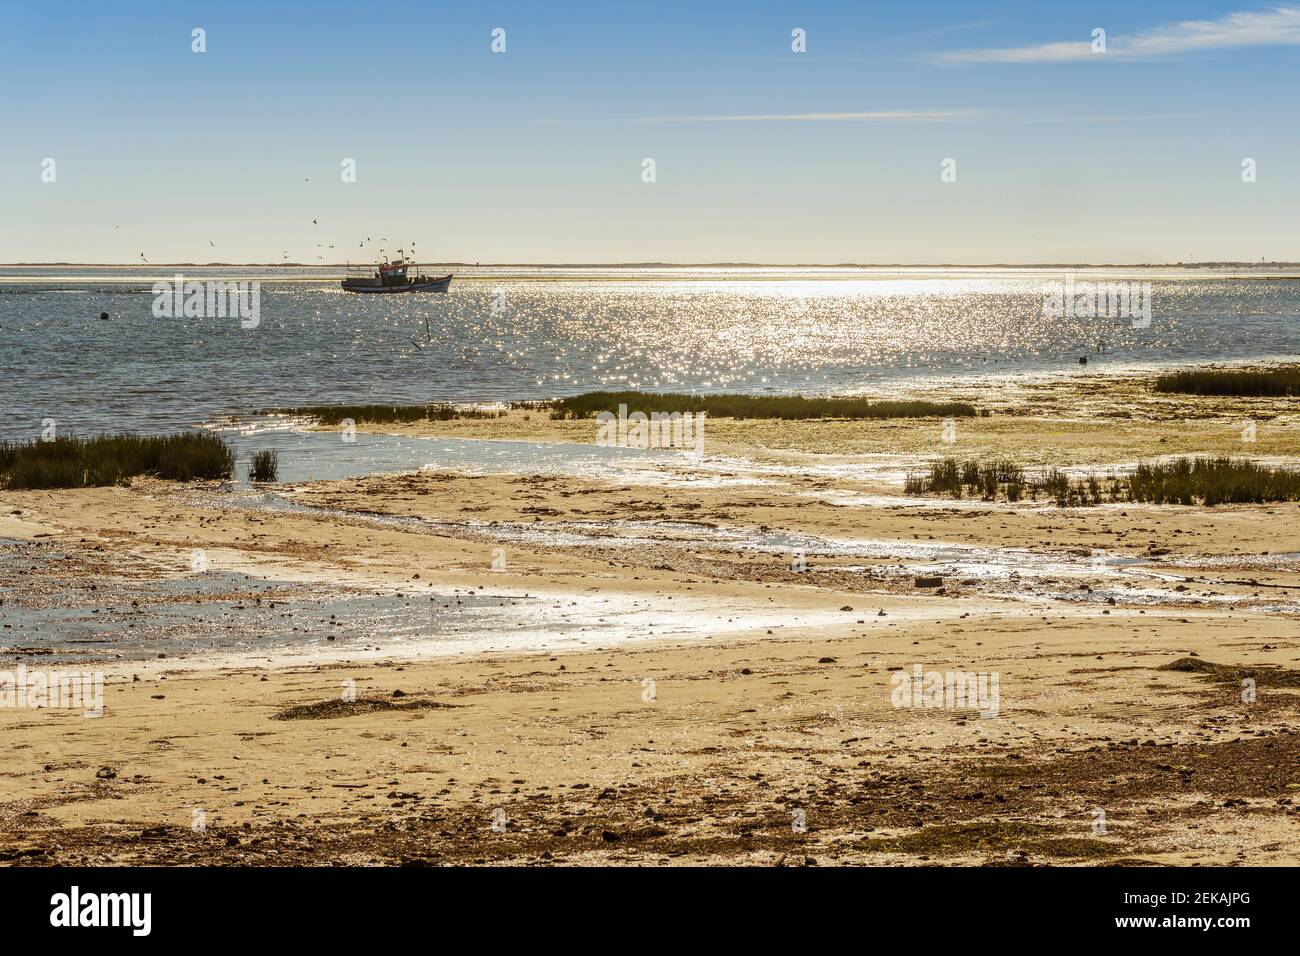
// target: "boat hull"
[[440, 284]]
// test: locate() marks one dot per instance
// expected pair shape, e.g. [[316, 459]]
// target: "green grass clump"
[[263, 465], [1183, 481], [983, 479], [74, 462], [1212, 481], [1055, 484], [1268, 382], [590, 404], [432, 412]]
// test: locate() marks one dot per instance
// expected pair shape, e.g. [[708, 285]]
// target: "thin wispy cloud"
[[888, 47], [943, 30], [1068, 119], [875, 116], [1279, 26], [907, 116]]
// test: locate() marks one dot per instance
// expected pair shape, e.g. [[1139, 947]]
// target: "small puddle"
[[326, 455]]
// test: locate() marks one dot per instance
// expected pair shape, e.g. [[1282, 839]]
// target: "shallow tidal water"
[[324, 455], [56, 608], [504, 335]]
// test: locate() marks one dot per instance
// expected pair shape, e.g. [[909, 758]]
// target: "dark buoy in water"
[[103, 316], [1083, 360]]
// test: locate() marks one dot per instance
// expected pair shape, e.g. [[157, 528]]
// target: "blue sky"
[[761, 154]]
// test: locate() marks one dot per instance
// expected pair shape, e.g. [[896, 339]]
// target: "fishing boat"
[[391, 276]]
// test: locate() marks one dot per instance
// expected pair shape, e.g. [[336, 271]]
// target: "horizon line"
[[681, 265]]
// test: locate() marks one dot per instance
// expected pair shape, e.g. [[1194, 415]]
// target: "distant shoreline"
[[120, 274], [1227, 264]]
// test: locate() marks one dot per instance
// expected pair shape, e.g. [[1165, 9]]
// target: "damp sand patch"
[[68, 604], [1266, 675], [998, 837], [333, 709]]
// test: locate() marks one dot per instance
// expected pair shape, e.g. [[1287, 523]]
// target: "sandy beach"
[[697, 666]]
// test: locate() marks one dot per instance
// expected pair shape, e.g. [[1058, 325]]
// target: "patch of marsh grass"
[[73, 462], [432, 412], [1263, 382], [1212, 481], [976, 479], [1183, 481], [264, 465], [590, 404]]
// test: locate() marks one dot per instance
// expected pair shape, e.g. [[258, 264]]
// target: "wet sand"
[[690, 696]]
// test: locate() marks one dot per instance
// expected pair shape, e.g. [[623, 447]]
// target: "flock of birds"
[[319, 245]]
